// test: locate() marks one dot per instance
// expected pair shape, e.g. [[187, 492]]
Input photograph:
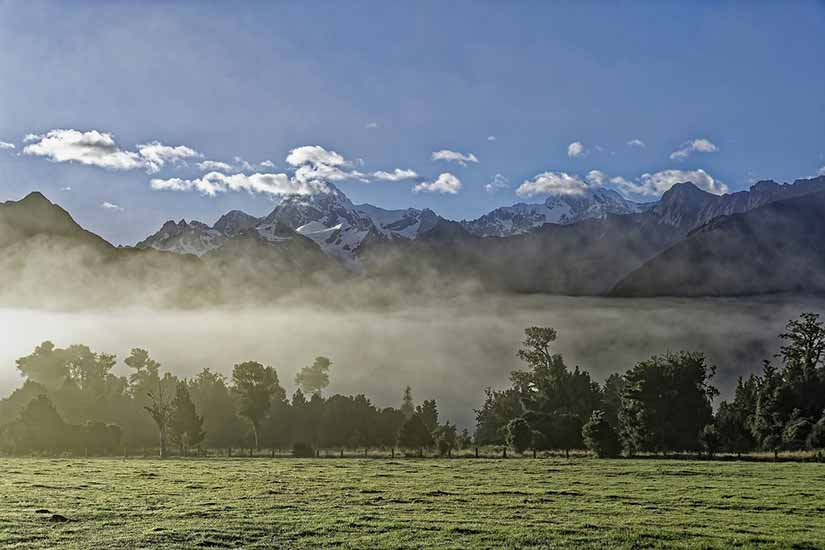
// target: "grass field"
[[407, 503]]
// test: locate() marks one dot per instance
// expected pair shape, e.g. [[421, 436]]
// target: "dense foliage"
[[71, 401], [663, 404]]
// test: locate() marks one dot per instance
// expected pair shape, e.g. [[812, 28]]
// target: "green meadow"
[[409, 503]]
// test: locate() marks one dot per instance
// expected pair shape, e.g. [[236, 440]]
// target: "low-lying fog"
[[450, 351]]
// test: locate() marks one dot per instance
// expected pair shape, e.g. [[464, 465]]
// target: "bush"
[[709, 437], [519, 435], [303, 450], [600, 437], [443, 446], [816, 438], [796, 433]]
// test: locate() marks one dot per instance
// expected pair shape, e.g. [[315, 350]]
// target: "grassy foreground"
[[374, 503]]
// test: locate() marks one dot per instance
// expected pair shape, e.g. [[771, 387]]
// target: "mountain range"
[[689, 243]]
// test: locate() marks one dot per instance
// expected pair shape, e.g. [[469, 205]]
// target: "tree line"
[[663, 404], [71, 401]]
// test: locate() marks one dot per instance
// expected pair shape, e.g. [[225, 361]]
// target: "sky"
[[119, 111]]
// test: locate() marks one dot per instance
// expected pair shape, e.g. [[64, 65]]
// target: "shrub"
[[519, 435], [709, 437], [303, 450], [600, 437]]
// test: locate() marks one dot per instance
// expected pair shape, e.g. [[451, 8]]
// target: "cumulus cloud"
[[396, 175], [491, 138], [576, 150], [217, 182], [454, 156], [314, 154], [658, 182], [215, 166], [91, 148], [596, 178], [445, 183], [6, 145], [636, 143], [700, 145], [498, 182], [156, 155], [94, 148], [552, 183], [821, 171], [314, 163], [268, 164], [111, 206]]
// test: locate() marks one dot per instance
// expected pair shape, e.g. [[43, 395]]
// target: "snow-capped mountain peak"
[[562, 209]]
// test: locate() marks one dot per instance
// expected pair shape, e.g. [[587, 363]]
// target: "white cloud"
[[6, 145], [454, 156], [657, 183], [215, 166], [491, 138], [111, 206], [67, 188], [555, 183], [700, 145], [396, 175], [268, 164], [94, 148], [596, 178], [498, 182], [156, 155], [217, 182], [636, 143], [576, 150], [821, 171], [445, 183], [91, 148], [371, 125], [562, 183], [314, 154]]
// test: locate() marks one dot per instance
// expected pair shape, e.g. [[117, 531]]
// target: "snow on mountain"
[[329, 219], [558, 209]]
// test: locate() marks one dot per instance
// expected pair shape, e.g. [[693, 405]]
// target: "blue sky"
[[738, 87]]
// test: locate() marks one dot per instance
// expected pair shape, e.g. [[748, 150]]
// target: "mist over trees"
[[72, 402], [663, 404]]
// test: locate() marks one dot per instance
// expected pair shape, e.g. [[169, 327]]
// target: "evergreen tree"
[[186, 426], [407, 405], [667, 402], [428, 411], [414, 434]]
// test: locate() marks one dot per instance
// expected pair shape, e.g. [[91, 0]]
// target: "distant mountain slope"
[[48, 260], [685, 205], [562, 209], [775, 248], [35, 216]]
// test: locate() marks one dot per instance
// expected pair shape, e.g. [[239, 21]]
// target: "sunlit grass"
[[407, 503]]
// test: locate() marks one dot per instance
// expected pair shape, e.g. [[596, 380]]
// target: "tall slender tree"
[[255, 385]]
